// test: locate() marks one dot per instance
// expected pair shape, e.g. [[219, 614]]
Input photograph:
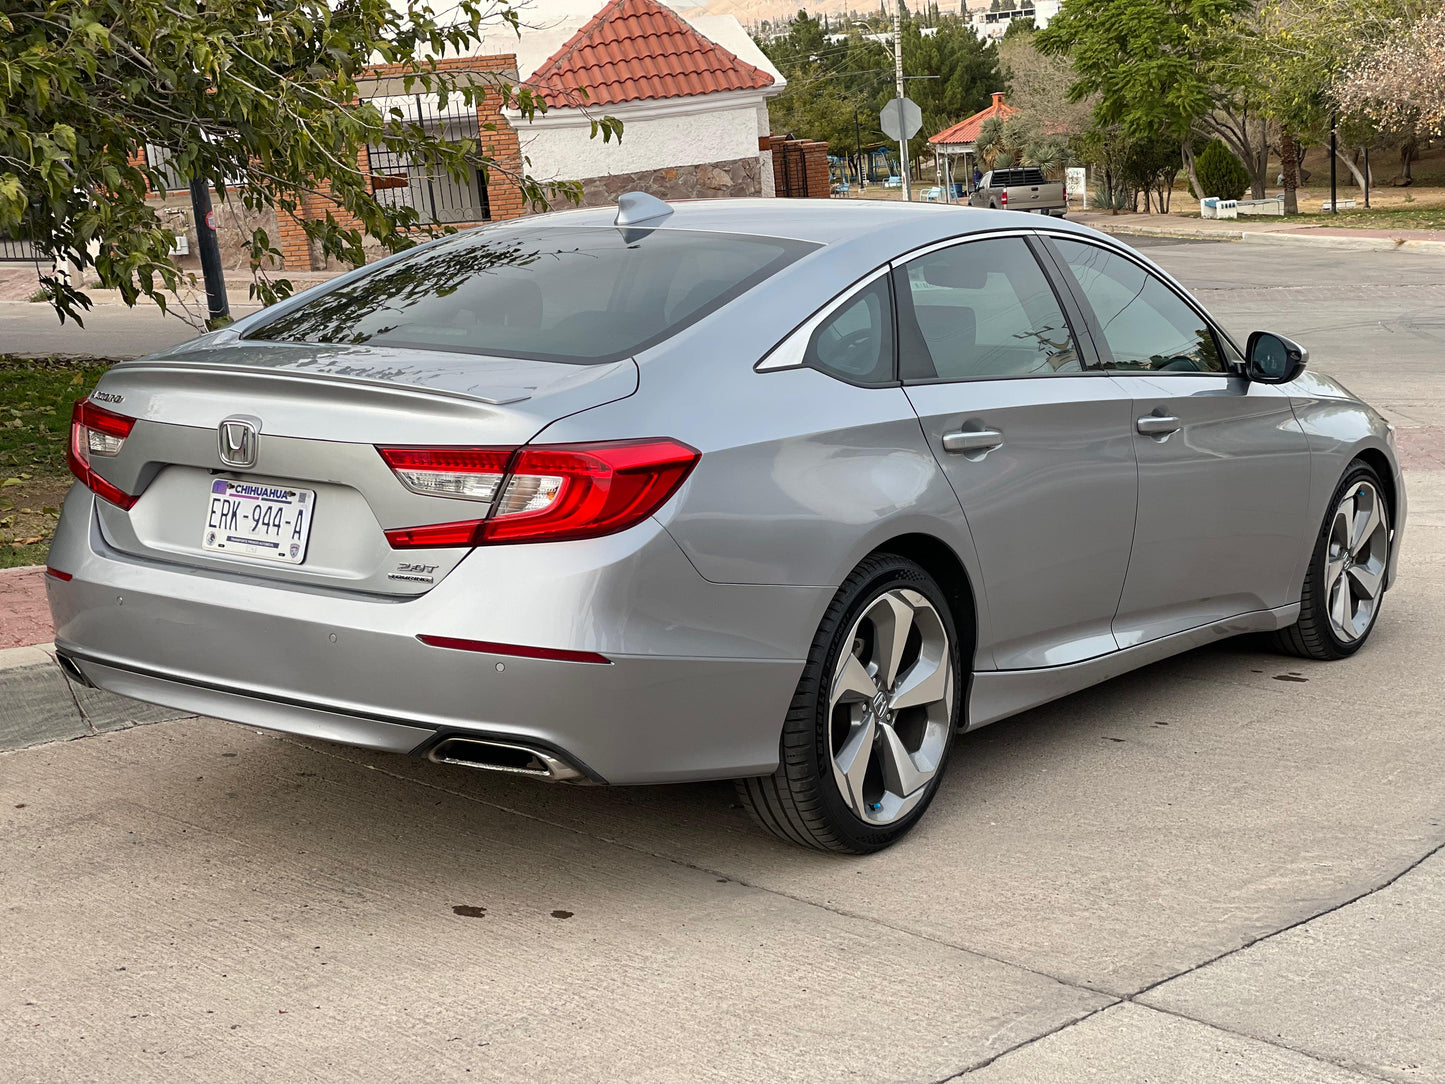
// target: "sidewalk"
[[1263, 230], [18, 281]]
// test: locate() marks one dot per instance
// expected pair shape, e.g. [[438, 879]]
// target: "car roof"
[[821, 221]]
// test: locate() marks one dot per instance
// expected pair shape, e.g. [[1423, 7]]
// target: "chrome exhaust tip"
[[496, 756], [72, 671]]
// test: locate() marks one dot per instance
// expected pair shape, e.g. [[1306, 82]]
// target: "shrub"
[[1220, 173]]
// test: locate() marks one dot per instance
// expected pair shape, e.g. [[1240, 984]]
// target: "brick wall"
[[498, 142], [800, 168]]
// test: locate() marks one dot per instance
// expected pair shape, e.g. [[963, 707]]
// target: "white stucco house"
[[690, 90]]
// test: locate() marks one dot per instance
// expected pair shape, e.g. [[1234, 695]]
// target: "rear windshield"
[[553, 293], [1002, 178]]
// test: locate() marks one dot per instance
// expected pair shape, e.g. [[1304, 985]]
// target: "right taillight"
[[547, 493], [95, 431]]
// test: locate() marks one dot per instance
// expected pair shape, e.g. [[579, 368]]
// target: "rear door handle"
[[1158, 425], [972, 440]]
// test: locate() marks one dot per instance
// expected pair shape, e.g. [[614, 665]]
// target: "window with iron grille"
[[162, 160], [402, 181]]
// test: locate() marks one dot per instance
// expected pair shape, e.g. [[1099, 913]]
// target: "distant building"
[[691, 93], [990, 21]]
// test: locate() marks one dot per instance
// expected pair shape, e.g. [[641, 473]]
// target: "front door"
[[1224, 466], [1038, 449]]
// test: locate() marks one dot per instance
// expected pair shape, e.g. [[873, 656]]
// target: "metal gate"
[[13, 249], [402, 182], [793, 171]]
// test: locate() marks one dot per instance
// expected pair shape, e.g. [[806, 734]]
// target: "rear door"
[[1036, 446], [1223, 464]]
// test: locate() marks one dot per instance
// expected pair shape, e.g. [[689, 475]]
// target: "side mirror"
[[1273, 359]]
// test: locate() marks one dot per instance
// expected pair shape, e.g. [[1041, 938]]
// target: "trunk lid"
[[319, 411]]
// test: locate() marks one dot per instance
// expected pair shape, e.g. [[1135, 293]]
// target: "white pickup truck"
[[1020, 189]]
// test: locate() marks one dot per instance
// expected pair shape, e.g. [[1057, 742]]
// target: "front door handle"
[[1158, 425], [972, 440]]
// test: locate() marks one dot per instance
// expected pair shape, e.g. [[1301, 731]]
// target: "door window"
[[982, 310], [856, 342], [1147, 327]]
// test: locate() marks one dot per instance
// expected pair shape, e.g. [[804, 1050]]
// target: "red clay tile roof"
[[966, 131], [638, 49]]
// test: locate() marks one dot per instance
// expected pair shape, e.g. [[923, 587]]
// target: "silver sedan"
[[783, 491]]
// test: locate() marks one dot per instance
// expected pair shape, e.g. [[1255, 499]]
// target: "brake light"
[[95, 431], [551, 493], [470, 474], [1003, 198]]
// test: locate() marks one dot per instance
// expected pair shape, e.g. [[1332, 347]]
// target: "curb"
[[1362, 244], [39, 703]]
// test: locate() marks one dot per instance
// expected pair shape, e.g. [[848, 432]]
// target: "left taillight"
[[542, 493], [97, 432]]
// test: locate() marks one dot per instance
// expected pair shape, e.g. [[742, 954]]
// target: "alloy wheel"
[[890, 706], [1359, 546]]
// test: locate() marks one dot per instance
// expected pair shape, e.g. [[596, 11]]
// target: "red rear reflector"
[[62, 576], [437, 535], [517, 650], [97, 431], [547, 493]]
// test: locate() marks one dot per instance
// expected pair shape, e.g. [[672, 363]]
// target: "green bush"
[[1220, 173]]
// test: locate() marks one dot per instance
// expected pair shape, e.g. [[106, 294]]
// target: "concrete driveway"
[[1225, 867]]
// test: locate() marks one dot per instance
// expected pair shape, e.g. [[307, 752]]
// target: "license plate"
[[247, 519]]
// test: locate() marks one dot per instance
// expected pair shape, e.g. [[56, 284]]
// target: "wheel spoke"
[[1334, 569], [1367, 521], [926, 680], [1340, 606], [852, 677], [850, 764], [892, 620], [1367, 579], [900, 774], [1343, 530]]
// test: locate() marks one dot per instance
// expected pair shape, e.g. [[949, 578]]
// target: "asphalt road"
[[1226, 867]]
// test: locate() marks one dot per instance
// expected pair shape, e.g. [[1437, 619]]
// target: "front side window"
[[1147, 327], [984, 309], [855, 343], [564, 293]]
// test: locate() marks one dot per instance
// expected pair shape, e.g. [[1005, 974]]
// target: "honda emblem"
[[239, 439]]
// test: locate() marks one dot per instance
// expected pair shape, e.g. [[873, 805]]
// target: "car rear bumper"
[[351, 669]]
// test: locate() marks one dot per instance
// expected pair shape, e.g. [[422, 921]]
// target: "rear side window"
[[1147, 327], [855, 343], [574, 294], [983, 309]]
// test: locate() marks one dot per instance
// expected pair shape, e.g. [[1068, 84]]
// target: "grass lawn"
[[35, 400], [1429, 216]]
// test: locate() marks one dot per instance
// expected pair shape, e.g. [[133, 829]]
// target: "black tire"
[[801, 802], [1313, 636]]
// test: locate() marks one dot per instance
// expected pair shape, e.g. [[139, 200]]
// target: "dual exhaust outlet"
[[498, 756]]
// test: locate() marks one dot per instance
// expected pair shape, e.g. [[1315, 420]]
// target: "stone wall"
[[740, 177]]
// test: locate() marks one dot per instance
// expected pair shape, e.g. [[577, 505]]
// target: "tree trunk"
[[1353, 168], [1187, 153], [1288, 152], [1263, 175], [1407, 155]]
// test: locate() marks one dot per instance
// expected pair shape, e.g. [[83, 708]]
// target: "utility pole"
[[218, 309], [898, 80]]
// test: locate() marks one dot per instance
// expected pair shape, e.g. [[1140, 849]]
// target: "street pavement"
[[1225, 867], [109, 331]]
